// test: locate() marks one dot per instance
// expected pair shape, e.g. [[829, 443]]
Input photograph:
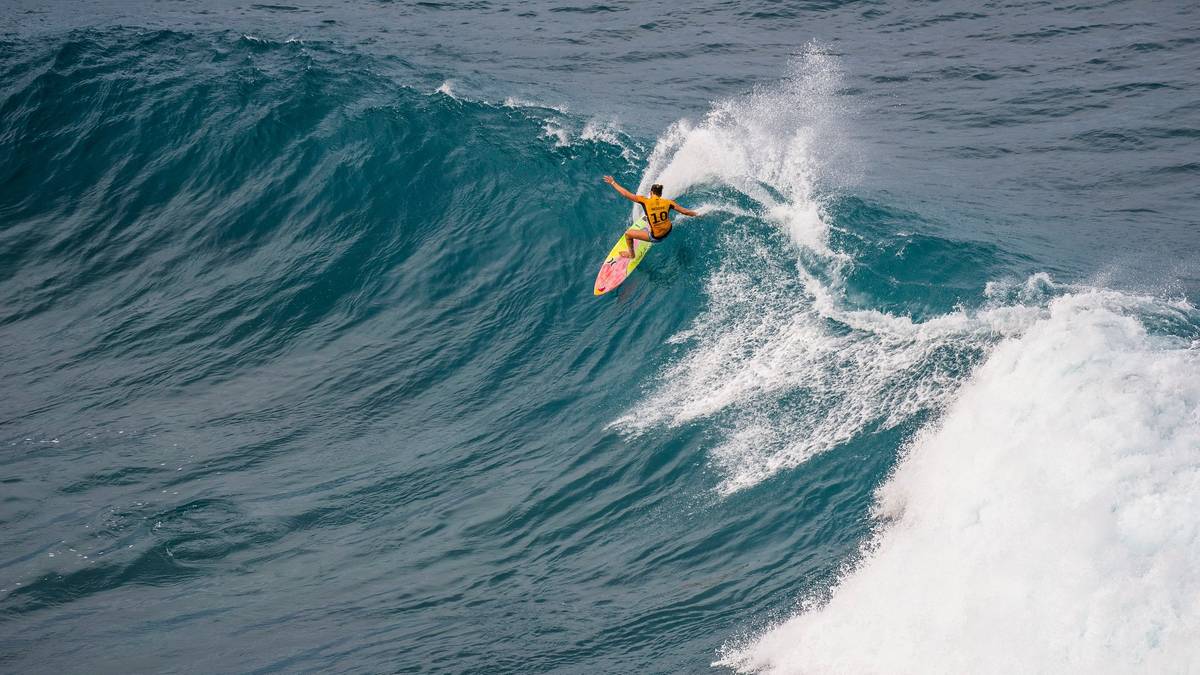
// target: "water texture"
[[302, 371]]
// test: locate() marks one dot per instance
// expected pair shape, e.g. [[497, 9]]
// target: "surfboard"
[[617, 268]]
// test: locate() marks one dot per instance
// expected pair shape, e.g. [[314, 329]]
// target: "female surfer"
[[658, 215]]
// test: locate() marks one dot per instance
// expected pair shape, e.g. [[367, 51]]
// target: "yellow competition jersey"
[[658, 212]]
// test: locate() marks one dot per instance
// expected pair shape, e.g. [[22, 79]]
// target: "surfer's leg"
[[630, 235]]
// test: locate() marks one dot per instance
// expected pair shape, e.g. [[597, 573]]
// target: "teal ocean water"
[[302, 370]]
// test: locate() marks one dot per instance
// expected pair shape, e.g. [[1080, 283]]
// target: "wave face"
[[302, 369]]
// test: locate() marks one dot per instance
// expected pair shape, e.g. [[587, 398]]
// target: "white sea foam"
[[1046, 524], [446, 88], [566, 133], [792, 375], [554, 129], [603, 131], [518, 102], [610, 132]]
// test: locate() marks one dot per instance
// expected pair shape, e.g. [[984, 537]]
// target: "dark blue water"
[[302, 370]]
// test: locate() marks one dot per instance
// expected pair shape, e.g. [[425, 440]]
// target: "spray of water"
[[792, 372]]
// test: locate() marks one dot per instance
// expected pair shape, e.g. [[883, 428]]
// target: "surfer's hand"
[[609, 179]]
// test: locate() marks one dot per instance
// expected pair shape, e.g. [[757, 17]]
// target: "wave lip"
[[1047, 524]]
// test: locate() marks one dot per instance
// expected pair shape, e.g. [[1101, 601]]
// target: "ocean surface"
[[302, 372]]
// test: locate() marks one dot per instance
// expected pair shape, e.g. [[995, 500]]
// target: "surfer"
[[658, 212]]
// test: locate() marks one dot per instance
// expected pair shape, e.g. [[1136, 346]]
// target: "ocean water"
[[302, 371]]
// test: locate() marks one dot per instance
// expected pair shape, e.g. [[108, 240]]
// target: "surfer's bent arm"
[[686, 212], [624, 193]]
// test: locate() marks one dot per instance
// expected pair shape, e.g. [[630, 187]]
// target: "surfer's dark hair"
[[656, 190]]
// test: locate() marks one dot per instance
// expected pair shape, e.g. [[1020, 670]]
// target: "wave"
[[215, 204], [286, 260], [1044, 496], [1044, 524]]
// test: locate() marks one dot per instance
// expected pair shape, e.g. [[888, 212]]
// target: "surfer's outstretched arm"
[[686, 212], [617, 186]]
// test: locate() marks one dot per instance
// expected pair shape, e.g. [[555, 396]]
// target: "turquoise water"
[[303, 372]]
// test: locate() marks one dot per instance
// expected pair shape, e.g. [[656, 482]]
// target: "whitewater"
[[302, 369], [1042, 524], [1041, 521]]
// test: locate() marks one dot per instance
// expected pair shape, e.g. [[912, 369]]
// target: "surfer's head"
[[656, 190]]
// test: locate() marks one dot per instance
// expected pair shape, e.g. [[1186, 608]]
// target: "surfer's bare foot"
[[626, 254]]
